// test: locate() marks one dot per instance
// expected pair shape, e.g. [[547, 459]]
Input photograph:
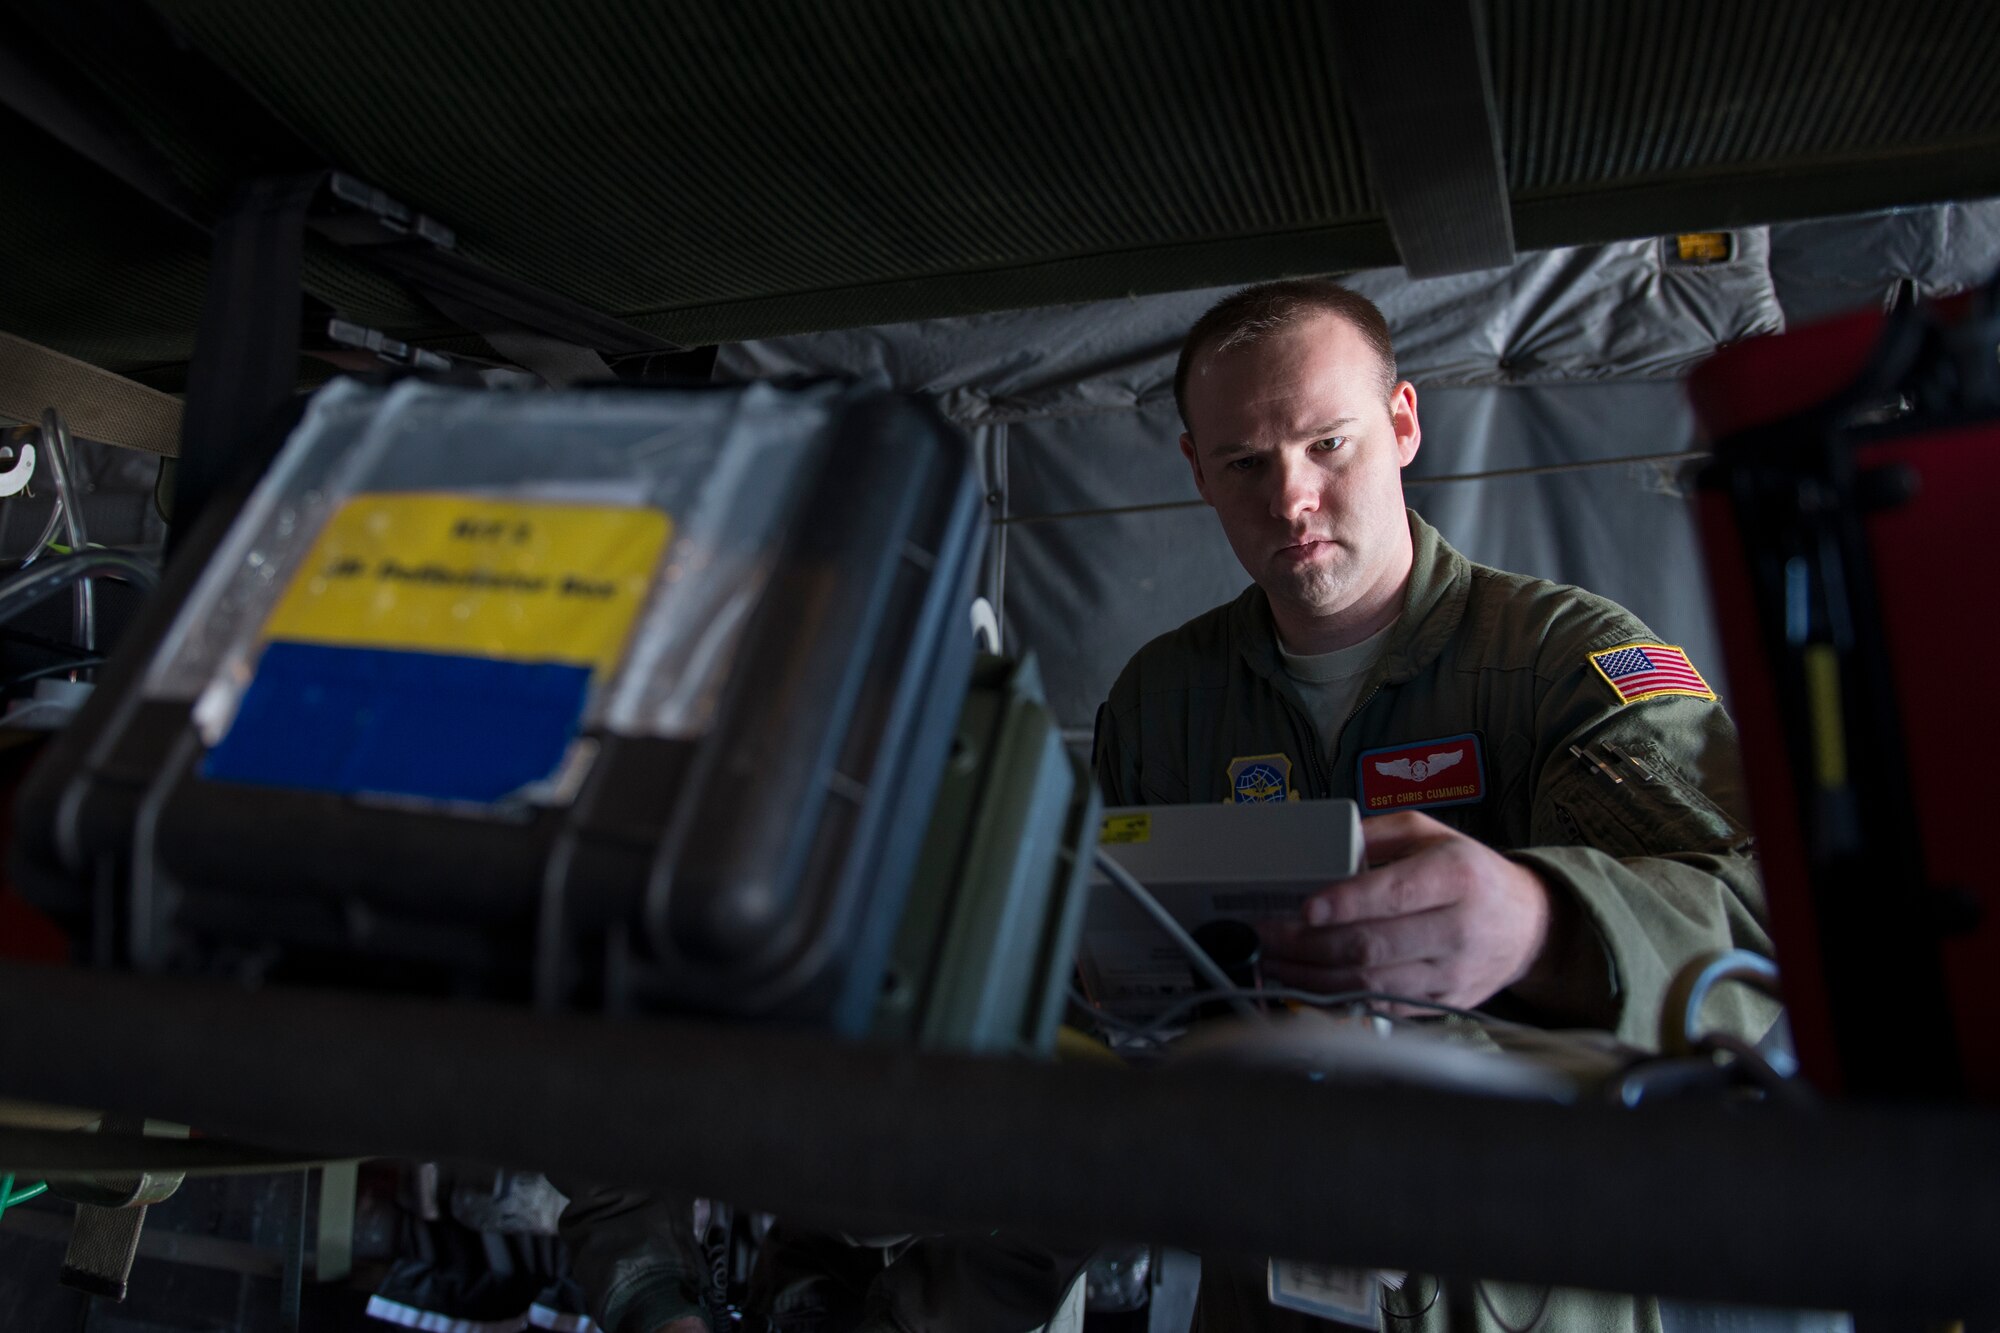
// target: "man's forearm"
[[1646, 917]]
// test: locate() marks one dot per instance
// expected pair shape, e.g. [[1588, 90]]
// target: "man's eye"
[[1242, 464], [1330, 444]]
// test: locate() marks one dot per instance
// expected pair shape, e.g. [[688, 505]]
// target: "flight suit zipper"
[[1318, 776], [1316, 786], [1353, 713]]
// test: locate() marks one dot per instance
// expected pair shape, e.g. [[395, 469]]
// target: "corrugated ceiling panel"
[[643, 156], [1590, 91], [76, 275], [717, 170]]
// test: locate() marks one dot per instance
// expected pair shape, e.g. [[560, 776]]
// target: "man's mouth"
[[1304, 549]]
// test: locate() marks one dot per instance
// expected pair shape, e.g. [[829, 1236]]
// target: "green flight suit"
[[1644, 874]]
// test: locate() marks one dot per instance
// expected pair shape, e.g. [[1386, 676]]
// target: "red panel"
[[27, 935], [1936, 570], [1768, 379]]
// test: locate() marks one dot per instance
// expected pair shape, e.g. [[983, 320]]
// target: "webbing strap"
[[97, 404], [102, 1244], [110, 1211], [246, 353], [1428, 129]]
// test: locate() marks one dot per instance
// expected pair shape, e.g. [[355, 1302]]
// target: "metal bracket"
[[394, 216], [1173, 1283], [393, 351]]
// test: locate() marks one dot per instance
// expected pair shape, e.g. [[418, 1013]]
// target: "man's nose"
[[1297, 489]]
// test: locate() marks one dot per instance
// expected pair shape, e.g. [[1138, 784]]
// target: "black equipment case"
[[710, 800]]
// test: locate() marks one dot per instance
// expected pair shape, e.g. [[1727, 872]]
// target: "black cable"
[[1534, 1320], [53, 669], [1750, 1063], [1197, 957], [1150, 1030], [28, 639], [1437, 1289], [717, 1247]]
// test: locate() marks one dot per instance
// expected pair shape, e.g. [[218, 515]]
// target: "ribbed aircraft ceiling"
[[715, 171]]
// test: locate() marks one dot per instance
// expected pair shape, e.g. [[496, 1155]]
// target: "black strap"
[[246, 354], [1428, 129]]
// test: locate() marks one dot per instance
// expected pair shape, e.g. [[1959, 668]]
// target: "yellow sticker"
[[1703, 247], [1126, 828], [1823, 706], [521, 581]]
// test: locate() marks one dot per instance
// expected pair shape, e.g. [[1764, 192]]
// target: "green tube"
[[9, 1196]]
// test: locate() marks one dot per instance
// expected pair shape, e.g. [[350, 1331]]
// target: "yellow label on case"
[[441, 573], [1126, 828]]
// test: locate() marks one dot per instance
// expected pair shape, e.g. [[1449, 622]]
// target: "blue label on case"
[[433, 725]]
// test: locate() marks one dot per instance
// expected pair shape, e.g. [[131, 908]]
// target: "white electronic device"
[[1251, 862]]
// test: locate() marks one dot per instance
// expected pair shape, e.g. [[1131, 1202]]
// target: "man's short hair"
[[1255, 313]]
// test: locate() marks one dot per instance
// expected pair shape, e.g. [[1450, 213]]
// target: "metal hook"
[[19, 452]]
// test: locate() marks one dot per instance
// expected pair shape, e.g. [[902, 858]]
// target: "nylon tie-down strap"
[[98, 405], [102, 1244], [110, 1214], [246, 352], [1428, 129]]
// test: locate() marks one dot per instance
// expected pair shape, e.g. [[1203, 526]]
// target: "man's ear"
[[1194, 465], [1403, 420]]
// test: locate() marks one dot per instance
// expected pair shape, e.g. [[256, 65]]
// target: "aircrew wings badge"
[[1646, 670], [1447, 771]]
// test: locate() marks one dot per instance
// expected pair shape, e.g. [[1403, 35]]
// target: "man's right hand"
[[1437, 916]]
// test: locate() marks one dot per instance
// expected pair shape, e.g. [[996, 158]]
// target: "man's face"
[[1296, 447]]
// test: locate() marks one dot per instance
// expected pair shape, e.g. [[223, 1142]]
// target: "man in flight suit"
[[1554, 814]]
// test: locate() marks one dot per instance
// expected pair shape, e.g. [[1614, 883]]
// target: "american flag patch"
[[1641, 670]]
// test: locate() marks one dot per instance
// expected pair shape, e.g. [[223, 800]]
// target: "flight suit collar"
[[1433, 605]]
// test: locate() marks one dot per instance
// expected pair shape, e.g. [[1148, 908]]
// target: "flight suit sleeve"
[[1648, 871]]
